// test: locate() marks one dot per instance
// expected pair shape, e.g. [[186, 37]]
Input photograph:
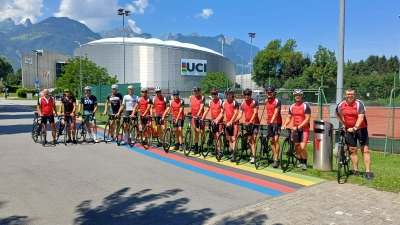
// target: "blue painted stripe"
[[217, 176]]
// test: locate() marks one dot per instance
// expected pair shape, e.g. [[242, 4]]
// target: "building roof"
[[151, 41]]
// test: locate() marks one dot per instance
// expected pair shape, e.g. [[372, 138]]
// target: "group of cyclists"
[[142, 109]]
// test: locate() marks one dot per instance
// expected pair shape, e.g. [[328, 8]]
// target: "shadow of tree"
[[142, 207], [11, 220], [248, 218]]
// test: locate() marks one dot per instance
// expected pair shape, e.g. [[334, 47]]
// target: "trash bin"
[[323, 146]]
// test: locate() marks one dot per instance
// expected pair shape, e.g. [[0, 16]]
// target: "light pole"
[[38, 52], [80, 68], [251, 35], [123, 13], [241, 78]]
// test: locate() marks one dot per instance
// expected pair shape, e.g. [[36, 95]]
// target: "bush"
[[22, 92]]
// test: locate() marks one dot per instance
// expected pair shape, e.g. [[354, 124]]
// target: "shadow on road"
[[255, 217], [15, 108], [16, 117], [16, 129], [11, 220], [142, 207]]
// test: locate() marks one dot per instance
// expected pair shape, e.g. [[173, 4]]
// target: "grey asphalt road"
[[101, 183]]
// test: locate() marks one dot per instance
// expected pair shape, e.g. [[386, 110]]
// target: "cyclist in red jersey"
[[215, 106], [274, 120], [196, 104], [46, 108], [177, 107], [159, 105], [69, 103], [230, 109], [300, 112], [144, 107], [351, 114], [249, 108]]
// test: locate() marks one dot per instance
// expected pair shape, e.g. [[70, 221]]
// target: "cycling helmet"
[[175, 92], [228, 90], [114, 86], [157, 89], [270, 88], [196, 88], [88, 88], [130, 87], [247, 91], [144, 89], [297, 91], [214, 91]]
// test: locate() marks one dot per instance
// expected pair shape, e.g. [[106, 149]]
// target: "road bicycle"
[[82, 130], [107, 131], [222, 143], [37, 120], [62, 126], [342, 156], [133, 131], [263, 147], [169, 138], [207, 140], [242, 143], [148, 133], [288, 154], [188, 138]]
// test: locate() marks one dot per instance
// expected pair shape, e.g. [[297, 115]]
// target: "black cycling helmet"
[[247, 91], [196, 88], [270, 88], [214, 91], [228, 90]]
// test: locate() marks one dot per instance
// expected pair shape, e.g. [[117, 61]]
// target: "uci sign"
[[194, 67]]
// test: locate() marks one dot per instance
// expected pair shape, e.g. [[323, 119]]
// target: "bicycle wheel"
[[133, 134], [36, 132], [80, 133], [221, 143], [205, 143], [43, 134], [147, 137], [167, 140], [120, 135], [340, 163], [259, 151], [58, 130], [285, 155], [66, 133], [347, 161], [238, 149], [187, 142], [107, 135]]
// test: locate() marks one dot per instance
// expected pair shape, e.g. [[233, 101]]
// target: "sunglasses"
[[88, 90], [270, 92], [144, 91], [214, 94], [247, 94]]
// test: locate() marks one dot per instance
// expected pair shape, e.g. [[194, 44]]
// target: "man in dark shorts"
[[129, 101], [69, 103], [89, 103], [46, 108], [115, 100], [351, 114], [159, 106]]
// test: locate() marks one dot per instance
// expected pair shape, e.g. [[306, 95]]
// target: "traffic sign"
[[36, 80]]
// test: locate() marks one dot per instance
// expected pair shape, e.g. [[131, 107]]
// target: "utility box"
[[29, 96], [323, 146]]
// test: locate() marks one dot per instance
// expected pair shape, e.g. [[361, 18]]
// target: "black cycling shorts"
[[360, 135], [274, 130], [127, 119], [50, 118], [179, 123], [298, 136], [158, 120]]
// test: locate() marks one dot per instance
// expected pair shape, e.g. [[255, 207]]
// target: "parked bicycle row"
[[218, 128]]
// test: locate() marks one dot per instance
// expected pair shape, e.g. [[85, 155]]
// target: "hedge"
[[22, 92]]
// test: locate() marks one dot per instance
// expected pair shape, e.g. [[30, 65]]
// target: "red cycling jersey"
[[215, 108], [143, 103], [176, 106], [160, 105], [350, 112], [47, 105], [229, 108], [271, 105], [299, 111], [248, 107], [195, 103]]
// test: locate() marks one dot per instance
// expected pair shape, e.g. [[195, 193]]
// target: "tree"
[[14, 79], [5, 67], [217, 80], [91, 75]]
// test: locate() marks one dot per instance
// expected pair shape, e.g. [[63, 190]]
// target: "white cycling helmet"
[[157, 89], [114, 86], [297, 91], [88, 88], [130, 87], [144, 89]]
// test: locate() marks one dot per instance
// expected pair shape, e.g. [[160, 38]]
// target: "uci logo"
[[193, 67]]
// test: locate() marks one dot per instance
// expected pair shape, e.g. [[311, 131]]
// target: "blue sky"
[[372, 27]]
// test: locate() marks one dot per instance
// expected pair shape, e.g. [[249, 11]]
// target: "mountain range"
[[58, 34]]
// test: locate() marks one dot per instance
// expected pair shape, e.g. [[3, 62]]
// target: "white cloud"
[[135, 29], [20, 10], [206, 13], [96, 13]]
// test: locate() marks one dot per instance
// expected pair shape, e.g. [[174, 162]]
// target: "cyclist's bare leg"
[[275, 146], [252, 143], [73, 129], [117, 128], [94, 128], [303, 149], [88, 130], [53, 130], [298, 150], [112, 128], [367, 158], [354, 157], [178, 134]]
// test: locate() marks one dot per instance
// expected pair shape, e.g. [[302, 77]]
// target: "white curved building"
[[153, 62]]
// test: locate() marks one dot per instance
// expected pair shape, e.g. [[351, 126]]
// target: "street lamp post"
[[123, 13], [241, 79], [251, 35], [38, 53], [80, 68]]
